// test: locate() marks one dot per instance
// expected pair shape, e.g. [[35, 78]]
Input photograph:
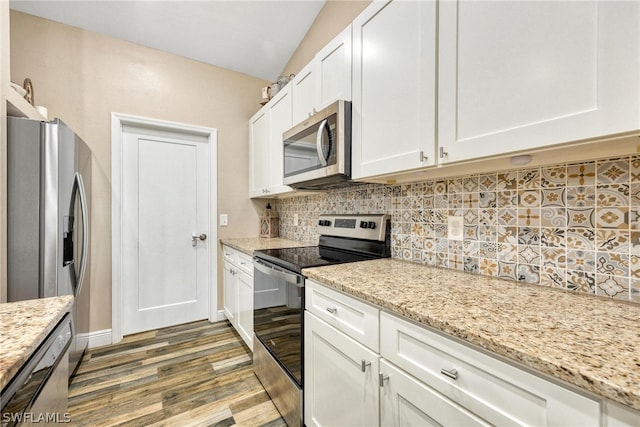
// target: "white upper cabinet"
[[520, 75], [265, 146], [327, 78], [259, 153], [394, 88], [279, 122], [334, 70]]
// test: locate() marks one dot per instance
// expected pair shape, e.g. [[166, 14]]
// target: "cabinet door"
[[245, 307], [304, 93], [337, 390], [334, 70], [230, 297], [518, 75], [280, 111], [259, 153], [394, 64], [406, 402]]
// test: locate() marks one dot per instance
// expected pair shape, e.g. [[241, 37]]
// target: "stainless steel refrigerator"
[[48, 195]]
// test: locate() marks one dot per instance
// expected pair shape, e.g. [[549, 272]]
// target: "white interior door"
[[165, 225]]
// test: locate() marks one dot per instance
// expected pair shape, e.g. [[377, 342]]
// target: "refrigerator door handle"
[[85, 231]]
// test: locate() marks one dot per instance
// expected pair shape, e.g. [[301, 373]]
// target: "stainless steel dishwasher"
[[38, 394]]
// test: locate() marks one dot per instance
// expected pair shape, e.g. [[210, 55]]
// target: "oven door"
[[278, 313]]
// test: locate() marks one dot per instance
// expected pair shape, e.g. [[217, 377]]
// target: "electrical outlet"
[[224, 220], [295, 219], [456, 228]]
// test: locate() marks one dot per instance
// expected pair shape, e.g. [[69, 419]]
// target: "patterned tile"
[[442, 260], [553, 257], [634, 291], [577, 217], [470, 201], [455, 247], [470, 248], [581, 281], [529, 179], [489, 267], [507, 234], [455, 201], [581, 197], [553, 197], [471, 265], [440, 188], [507, 270], [487, 233], [634, 193], [634, 218], [508, 252], [554, 176], [455, 186], [581, 260], [508, 216], [441, 201], [507, 181], [529, 199], [612, 195], [613, 171], [528, 236], [612, 286], [581, 174], [487, 182], [553, 217], [553, 277], [470, 184], [528, 273], [612, 217], [488, 216], [634, 242], [613, 240], [488, 250], [529, 217], [456, 262], [487, 199], [471, 232], [507, 198], [529, 254], [581, 238], [553, 237], [612, 263]]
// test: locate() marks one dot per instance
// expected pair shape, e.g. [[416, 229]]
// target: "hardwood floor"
[[198, 374]]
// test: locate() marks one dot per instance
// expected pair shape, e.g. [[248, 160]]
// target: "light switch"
[[456, 228], [224, 220]]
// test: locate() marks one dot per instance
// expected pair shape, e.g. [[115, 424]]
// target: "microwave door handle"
[[323, 160]]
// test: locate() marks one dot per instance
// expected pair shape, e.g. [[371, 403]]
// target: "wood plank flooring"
[[198, 374]]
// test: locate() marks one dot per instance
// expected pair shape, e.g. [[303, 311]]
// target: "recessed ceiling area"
[[253, 37]]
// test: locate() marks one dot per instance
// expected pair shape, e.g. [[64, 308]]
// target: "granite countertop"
[[23, 327], [250, 244], [587, 341]]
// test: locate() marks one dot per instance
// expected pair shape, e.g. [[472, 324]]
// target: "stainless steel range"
[[279, 300]]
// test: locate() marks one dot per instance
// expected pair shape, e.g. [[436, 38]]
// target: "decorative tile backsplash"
[[573, 226]]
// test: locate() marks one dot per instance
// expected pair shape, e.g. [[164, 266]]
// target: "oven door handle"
[[271, 270]]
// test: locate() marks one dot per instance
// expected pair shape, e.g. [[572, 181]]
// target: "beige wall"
[[334, 17], [82, 77]]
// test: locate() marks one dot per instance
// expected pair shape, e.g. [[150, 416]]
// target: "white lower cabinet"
[[341, 378], [420, 377], [238, 292]]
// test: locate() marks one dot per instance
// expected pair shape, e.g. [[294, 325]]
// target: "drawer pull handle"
[[451, 373], [364, 364], [332, 310], [382, 378]]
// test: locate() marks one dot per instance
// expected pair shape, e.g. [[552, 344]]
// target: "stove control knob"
[[363, 224], [371, 225]]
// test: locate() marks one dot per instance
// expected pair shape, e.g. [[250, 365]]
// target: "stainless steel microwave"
[[317, 152]]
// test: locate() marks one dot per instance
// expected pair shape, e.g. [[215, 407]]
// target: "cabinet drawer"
[[229, 254], [356, 319], [494, 390], [245, 263]]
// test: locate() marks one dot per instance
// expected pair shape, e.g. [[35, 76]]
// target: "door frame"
[[118, 121]]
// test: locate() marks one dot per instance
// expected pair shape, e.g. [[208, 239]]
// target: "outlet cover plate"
[[456, 228]]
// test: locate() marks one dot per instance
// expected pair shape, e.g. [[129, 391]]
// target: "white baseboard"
[[221, 316], [96, 338]]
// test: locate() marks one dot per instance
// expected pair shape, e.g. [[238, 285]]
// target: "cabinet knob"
[[332, 310], [443, 153], [364, 364]]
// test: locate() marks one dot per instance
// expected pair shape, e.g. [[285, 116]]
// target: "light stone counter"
[[587, 341], [250, 244], [23, 327]]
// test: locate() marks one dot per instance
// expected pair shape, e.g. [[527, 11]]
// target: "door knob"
[[194, 238]]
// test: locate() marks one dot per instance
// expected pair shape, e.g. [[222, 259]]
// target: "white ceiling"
[[254, 37]]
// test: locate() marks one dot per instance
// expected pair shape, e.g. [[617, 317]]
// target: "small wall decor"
[[28, 87], [269, 223]]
